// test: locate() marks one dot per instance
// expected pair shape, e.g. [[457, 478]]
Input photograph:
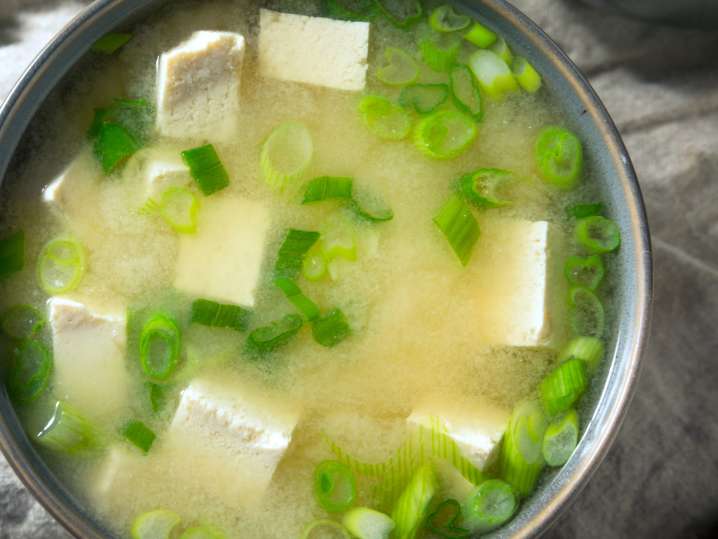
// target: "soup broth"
[[394, 339]]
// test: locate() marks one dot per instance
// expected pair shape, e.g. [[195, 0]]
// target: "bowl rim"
[[73, 40]]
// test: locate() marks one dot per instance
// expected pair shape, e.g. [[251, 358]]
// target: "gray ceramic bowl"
[[605, 155]]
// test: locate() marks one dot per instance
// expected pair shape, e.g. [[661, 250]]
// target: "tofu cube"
[[163, 169], [89, 347], [513, 266], [232, 431], [198, 84], [313, 50], [476, 427], [223, 260]]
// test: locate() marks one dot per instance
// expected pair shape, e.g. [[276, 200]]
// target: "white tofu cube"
[[223, 260], [476, 427], [198, 84], [162, 169], [513, 262], [89, 356], [313, 50], [232, 431]]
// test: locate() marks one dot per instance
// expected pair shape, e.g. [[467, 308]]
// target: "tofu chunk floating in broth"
[[325, 268]]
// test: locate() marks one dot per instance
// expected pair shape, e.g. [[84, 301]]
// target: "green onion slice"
[[590, 350], [520, 460], [501, 48], [440, 51], [114, 145], [459, 226], [494, 76], [401, 13], [334, 486], [559, 157], [328, 188], [22, 321], [480, 36], [325, 529], [314, 267], [111, 43], [206, 168], [135, 115], [560, 439], [286, 154], [444, 520], [30, 371], [366, 523], [586, 314], [160, 347], [210, 313], [445, 134], [563, 386], [291, 253], [12, 253], [597, 235], [157, 524], [156, 395], [398, 68], [202, 532], [138, 434], [350, 10], [483, 187], [465, 91], [445, 19], [268, 338], [491, 505], [331, 328], [410, 510], [383, 118], [178, 207], [371, 208], [586, 271], [294, 294], [423, 98], [526, 75], [68, 431], [579, 211], [61, 265]]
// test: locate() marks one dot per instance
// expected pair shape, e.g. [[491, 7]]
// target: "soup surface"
[[362, 267]]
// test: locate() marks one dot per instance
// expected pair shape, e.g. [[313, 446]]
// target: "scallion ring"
[[160, 347], [597, 235], [334, 486], [61, 265], [445, 19], [445, 134]]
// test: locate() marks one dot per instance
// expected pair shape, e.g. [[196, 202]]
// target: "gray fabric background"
[[661, 86]]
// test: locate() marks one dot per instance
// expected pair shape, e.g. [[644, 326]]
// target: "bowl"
[[606, 156]]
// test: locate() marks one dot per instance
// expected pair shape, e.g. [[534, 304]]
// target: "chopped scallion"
[[465, 91], [483, 187], [314, 267], [114, 145], [480, 36], [597, 235], [324, 529], [383, 118], [520, 460], [459, 226], [398, 68], [365, 523], [334, 486], [501, 48], [206, 168], [579, 211], [401, 13], [291, 254], [156, 395], [61, 265], [444, 520], [563, 386], [160, 347], [286, 154], [138, 434], [12, 253], [445, 134], [560, 439], [590, 350], [268, 338], [587, 271], [157, 524], [371, 208], [559, 157], [328, 188], [445, 19], [178, 207], [331, 329], [492, 504], [294, 294], [526, 75], [350, 10], [68, 431], [423, 98], [494, 76], [586, 314], [30, 371], [440, 51], [211, 313], [410, 510], [111, 43], [21, 321]]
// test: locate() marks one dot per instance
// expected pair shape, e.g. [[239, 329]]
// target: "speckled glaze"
[[605, 155]]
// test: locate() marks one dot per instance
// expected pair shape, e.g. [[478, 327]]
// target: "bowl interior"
[[605, 156]]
